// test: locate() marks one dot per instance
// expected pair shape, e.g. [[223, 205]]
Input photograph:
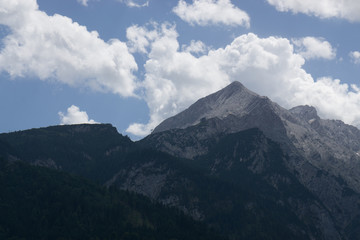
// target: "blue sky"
[[133, 63]]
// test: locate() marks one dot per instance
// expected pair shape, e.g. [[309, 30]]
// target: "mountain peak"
[[235, 99], [235, 86]]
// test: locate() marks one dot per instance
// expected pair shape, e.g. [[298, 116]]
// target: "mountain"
[[234, 160], [235, 210], [41, 203], [323, 154], [93, 151], [237, 198], [233, 101], [236, 108]]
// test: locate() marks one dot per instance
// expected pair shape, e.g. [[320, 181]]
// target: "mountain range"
[[234, 161]]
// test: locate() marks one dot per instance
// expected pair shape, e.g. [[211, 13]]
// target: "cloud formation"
[[314, 48], [355, 56], [140, 38], [135, 3], [56, 48], [74, 116], [345, 9], [197, 47], [176, 78], [83, 2], [212, 12]]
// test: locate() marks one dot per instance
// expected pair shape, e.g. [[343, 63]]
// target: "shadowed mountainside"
[[234, 160]]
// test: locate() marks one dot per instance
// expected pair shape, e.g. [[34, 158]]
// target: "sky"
[[134, 63]]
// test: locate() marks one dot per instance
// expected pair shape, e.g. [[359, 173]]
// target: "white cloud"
[[83, 2], [140, 38], [197, 47], [174, 79], [269, 66], [355, 57], [313, 48], [56, 48], [345, 9], [212, 12], [135, 3], [74, 116]]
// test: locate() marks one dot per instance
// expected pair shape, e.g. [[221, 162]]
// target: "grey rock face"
[[146, 179], [306, 113], [327, 144], [325, 154], [235, 100]]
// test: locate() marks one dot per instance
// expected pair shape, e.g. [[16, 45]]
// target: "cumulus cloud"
[[74, 116], [270, 66], [135, 3], [83, 2], [56, 48], [140, 38], [174, 79], [212, 12], [355, 56], [345, 9], [197, 47], [314, 48]]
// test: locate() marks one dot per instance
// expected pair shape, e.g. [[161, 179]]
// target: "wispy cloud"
[[355, 56], [345, 9], [135, 3], [83, 2]]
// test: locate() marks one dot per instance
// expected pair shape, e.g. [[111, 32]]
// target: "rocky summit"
[[323, 154], [236, 162], [329, 145]]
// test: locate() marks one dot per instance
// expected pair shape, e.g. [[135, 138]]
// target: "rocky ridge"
[[322, 153], [327, 144]]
